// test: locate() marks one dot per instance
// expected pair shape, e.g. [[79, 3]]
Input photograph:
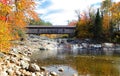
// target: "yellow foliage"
[[5, 36], [115, 12], [106, 22], [12, 20]]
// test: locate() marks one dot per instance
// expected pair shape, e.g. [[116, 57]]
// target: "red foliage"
[[3, 1], [3, 18], [73, 23]]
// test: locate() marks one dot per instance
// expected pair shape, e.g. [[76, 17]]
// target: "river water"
[[64, 50]]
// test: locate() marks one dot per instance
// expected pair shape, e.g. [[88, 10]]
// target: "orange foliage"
[[83, 25], [115, 11], [5, 36], [14, 17], [106, 22]]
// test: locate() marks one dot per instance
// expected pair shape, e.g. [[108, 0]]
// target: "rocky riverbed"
[[17, 61]]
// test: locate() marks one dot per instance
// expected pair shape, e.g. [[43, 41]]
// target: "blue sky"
[[58, 12]]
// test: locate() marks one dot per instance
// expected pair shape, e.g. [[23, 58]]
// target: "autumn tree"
[[105, 5], [82, 26], [115, 14], [106, 24], [14, 15], [72, 23], [106, 21]]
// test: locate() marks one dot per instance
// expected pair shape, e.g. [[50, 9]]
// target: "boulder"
[[24, 64], [60, 69], [34, 67], [2, 54], [53, 73], [43, 68]]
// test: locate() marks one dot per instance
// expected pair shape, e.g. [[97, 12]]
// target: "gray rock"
[[43, 68], [24, 64], [53, 74], [13, 60], [42, 48], [15, 50], [25, 58], [60, 69], [34, 67], [2, 55]]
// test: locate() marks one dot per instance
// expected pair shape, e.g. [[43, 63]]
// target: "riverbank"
[[17, 62], [23, 60]]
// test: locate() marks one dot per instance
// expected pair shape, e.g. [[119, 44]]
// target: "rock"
[[18, 73], [10, 71], [38, 74], [27, 73], [25, 58], [2, 55], [60, 69], [24, 64], [21, 43], [13, 60], [53, 74], [3, 73], [43, 68], [15, 50], [33, 74], [42, 48], [75, 75], [34, 67]]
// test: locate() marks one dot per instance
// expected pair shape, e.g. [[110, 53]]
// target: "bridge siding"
[[50, 30]]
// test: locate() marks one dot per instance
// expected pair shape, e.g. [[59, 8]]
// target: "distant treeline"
[[40, 22]]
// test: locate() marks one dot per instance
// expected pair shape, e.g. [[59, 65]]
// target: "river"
[[108, 57]]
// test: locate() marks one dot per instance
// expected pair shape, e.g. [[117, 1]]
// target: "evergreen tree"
[[97, 26]]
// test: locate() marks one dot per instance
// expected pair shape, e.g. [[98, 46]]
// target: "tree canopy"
[[39, 22], [14, 14], [100, 24]]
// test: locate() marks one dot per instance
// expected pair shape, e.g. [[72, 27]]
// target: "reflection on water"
[[64, 50], [43, 54]]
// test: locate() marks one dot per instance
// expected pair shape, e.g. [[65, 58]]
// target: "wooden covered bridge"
[[38, 29]]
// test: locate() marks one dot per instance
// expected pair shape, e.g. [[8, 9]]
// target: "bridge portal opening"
[[56, 35]]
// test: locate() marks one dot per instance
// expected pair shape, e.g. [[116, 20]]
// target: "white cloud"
[[67, 8]]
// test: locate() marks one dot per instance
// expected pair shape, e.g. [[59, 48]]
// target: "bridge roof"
[[50, 26]]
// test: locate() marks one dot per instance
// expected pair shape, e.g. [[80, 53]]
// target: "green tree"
[[97, 26], [40, 22]]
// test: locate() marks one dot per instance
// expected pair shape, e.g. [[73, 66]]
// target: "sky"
[[59, 12]]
